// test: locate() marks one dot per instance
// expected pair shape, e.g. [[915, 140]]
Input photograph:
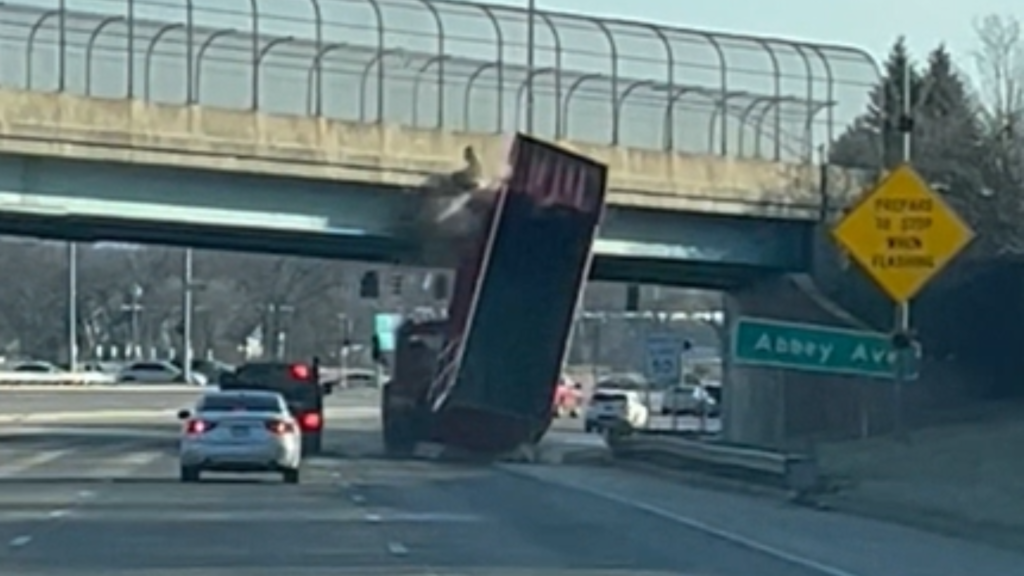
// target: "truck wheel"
[[399, 439]]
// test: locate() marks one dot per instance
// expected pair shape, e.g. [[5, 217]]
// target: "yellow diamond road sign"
[[903, 233]]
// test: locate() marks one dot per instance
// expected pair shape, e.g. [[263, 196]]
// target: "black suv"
[[300, 386]]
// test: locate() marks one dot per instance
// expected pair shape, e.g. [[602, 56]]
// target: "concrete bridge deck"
[[71, 126]]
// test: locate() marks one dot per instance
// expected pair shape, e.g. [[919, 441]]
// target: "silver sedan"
[[240, 431]]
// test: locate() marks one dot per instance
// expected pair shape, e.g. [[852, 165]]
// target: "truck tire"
[[399, 439]]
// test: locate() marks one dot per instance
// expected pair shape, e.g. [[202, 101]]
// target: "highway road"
[[91, 499]]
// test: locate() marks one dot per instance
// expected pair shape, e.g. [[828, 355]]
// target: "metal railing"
[[446, 64], [797, 473]]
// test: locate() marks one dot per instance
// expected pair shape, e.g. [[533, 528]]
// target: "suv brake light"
[[310, 421], [300, 371], [280, 427], [197, 427]]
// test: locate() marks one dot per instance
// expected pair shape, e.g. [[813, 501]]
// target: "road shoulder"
[[834, 544]]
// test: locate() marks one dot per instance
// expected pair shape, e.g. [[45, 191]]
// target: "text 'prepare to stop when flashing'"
[[904, 220]]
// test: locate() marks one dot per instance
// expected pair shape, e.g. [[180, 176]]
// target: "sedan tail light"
[[310, 421], [197, 427], [280, 427]]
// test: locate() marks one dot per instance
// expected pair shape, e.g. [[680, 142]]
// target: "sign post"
[[903, 234], [663, 359], [384, 327], [663, 363]]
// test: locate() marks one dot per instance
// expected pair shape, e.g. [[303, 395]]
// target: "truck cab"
[[405, 403]]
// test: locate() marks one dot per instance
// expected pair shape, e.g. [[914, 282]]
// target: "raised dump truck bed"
[[484, 379], [512, 315]]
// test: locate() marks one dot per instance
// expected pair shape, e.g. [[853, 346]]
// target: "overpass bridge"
[[345, 109]]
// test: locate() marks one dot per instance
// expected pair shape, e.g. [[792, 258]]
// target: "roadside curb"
[[996, 534], [847, 501]]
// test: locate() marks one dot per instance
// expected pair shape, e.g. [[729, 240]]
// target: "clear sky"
[[870, 24]]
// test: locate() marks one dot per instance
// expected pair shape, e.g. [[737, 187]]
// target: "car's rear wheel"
[[190, 474], [290, 476]]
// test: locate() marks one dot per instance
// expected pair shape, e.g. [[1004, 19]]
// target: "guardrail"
[[797, 473], [14, 378]]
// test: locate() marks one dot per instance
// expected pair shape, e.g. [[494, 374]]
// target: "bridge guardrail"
[[14, 378], [797, 473]]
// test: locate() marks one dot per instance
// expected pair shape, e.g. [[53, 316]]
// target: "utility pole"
[[186, 311], [531, 45], [134, 308], [72, 306], [902, 341]]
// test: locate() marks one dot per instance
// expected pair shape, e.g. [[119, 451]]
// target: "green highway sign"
[[811, 347]]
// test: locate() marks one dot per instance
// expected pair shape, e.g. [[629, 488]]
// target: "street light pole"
[[72, 306], [186, 310], [343, 349], [531, 41], [134, 308]]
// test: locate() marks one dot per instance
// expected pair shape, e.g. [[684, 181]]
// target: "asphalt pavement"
[[103, 499]]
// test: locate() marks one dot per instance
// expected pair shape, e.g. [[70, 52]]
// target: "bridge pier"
[[779, 408]]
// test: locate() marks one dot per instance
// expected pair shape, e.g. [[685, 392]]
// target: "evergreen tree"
[[949, 145], [874, 141]]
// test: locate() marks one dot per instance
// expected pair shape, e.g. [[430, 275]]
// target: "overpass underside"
[[93, 201]]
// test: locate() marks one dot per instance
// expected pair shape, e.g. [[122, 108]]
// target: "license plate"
[[238, 431]]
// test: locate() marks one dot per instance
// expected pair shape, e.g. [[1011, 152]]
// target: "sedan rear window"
[[231, 403], [608, 397]]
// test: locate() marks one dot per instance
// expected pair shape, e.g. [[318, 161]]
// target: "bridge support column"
[[772, 407]]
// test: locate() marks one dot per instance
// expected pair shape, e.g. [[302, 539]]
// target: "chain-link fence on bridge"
[[446, 64]]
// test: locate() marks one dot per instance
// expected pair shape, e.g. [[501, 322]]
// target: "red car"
[[568, 398]]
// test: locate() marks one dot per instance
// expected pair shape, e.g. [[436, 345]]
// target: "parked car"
[[156, 372]]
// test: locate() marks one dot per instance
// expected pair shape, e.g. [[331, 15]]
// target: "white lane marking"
[[372, 517], [357, 498], [432, 517], [125, 464], [85, 494], [397, 549], [30, 462], [58, 513], [694, 524], [19, 541]]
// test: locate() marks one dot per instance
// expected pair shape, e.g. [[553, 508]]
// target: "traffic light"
[[440, 287], [632, 298], [396, 285], [369, 285]]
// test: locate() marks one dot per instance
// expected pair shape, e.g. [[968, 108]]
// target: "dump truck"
[[483, 378]]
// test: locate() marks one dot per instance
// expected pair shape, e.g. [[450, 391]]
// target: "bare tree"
[[33, 301], [1000, 65]]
